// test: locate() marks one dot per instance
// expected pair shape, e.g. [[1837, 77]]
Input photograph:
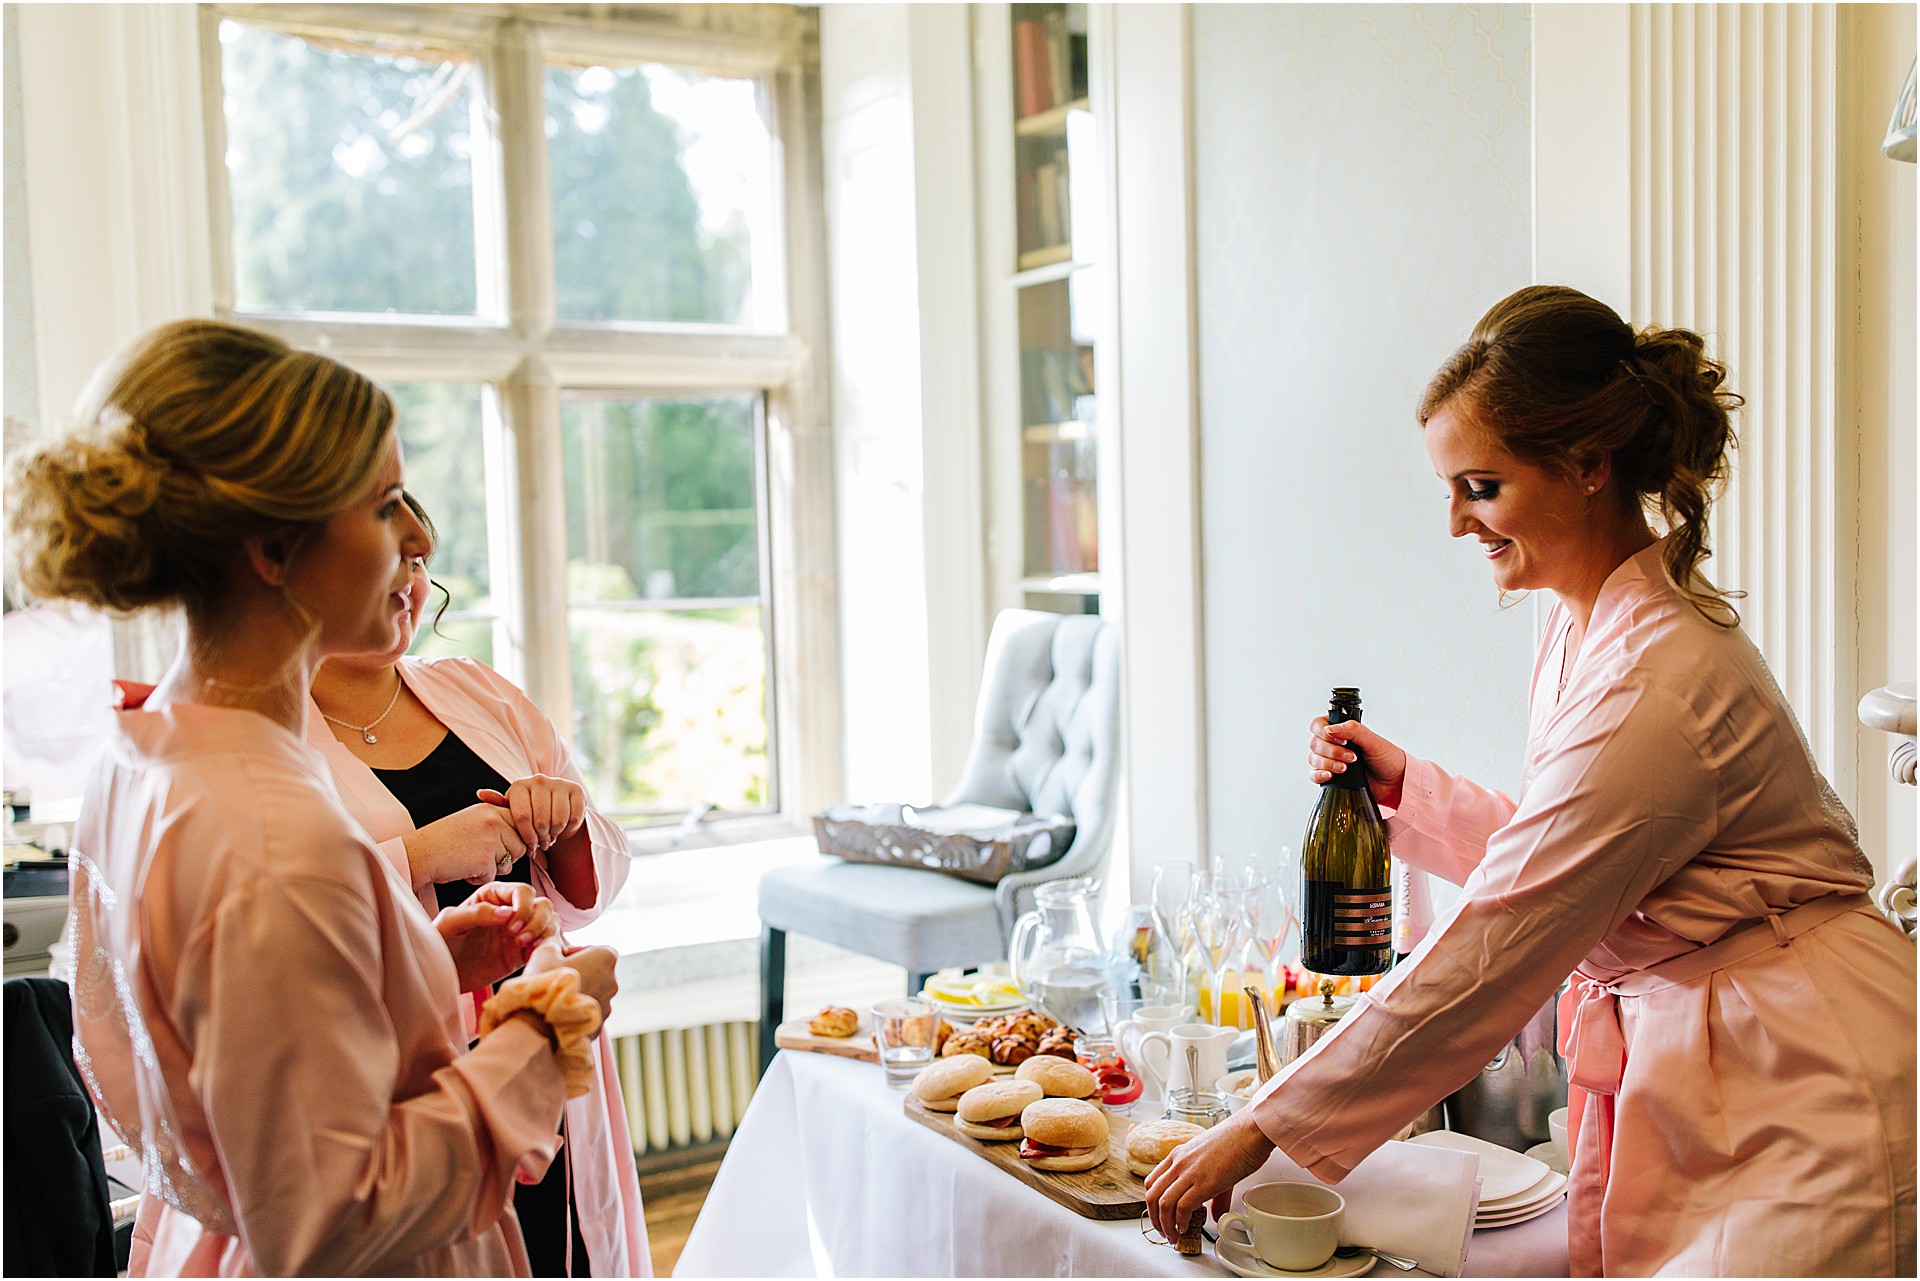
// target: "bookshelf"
[[1058, 204]]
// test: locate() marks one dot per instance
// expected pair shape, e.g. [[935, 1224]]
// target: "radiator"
[[685, 1086]]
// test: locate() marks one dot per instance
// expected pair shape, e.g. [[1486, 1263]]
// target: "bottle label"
[[1362, 918]]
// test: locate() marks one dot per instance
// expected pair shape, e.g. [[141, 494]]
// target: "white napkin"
[[1404, 1199]]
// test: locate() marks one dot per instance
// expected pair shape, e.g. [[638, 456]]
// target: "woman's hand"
[[474, 844], [543, 808], [594, 965], [1330, 749], [1205, 1169], [494, 932]]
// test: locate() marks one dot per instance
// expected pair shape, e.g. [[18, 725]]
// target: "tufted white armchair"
[[1046, 741]]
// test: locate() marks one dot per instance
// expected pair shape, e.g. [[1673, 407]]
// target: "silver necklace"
[[366, 731]]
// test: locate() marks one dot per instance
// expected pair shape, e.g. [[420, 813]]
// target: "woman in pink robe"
[[1741, 1022], [261, 1010], [463, 704]]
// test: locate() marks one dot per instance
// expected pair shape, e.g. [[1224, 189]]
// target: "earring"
[[1589, 489]]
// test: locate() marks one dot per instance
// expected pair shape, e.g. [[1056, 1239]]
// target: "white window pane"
[[350, 175], [665, 609], [663, 197]]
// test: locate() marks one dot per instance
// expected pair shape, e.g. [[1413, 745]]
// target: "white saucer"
[[1503, 1172], [1238, 1259], [1520, 1216], [1550, 1153]]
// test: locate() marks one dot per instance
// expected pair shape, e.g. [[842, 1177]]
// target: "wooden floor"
[[673, 1199]]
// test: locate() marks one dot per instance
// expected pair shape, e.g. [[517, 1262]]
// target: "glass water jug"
[[1056, 956]]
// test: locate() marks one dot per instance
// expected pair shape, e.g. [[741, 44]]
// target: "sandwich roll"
[[1063, 1135], [991, 1112], [940, 1084], [1060, 1078], [1150, 1142]]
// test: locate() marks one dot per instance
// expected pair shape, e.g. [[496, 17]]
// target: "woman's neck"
[[258, 663], [353, 692], [1609, 552]]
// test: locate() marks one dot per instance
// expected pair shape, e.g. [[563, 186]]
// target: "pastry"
[[967, 1043], [835, 1021], [1012, 1050]]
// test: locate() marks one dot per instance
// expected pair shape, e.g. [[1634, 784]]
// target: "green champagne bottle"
[[1346, 879]]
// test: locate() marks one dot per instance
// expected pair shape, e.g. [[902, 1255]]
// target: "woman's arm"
[[1620, 804], [1444, 821], [303, 1034]]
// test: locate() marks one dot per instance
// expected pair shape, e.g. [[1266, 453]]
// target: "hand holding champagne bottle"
[[1331, 748]]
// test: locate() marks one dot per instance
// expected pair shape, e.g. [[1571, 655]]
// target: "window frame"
[[532, 359]]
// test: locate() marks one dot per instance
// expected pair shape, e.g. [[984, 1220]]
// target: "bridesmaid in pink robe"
[[1741, 1021], [261, 1009], [461, 709]]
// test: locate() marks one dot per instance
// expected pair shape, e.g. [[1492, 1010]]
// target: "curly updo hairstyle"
[[199, 435], [1562, 381]]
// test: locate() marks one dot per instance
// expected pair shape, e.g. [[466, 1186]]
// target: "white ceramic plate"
[[1241, 1261], [1550, 1184], [1550, 1153], [1503, 1172], [1519, 1216]]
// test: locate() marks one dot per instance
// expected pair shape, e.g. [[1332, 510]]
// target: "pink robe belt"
[[1595, 1048]]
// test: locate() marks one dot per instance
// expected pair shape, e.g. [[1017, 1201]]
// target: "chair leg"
[[773, 989], [917, 982]]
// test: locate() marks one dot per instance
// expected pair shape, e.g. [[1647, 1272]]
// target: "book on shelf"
[[1032, 67], [1045, 212]]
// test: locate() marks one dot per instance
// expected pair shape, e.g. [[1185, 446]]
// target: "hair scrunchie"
[[572, 1018]]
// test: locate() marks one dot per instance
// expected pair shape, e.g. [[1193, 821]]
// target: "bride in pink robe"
[[261, 1009], [1741, 1021]]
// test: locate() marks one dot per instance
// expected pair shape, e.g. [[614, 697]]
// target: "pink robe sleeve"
[[1444, 821], [333, 1164], [1620, 802], [549, 755]]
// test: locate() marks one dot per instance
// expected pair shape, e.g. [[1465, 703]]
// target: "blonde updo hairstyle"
[[1562, 381], [198, 436]]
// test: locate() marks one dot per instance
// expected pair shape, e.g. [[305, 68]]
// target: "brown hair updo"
[[197, 436], [1562, 381]]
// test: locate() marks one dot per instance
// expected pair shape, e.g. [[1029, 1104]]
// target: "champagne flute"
[[1173, 889], [1207, 915]]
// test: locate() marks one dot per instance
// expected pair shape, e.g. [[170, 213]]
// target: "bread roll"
[[940, 1084]]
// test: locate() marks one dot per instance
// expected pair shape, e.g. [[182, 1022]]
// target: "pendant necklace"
[[366, 731]]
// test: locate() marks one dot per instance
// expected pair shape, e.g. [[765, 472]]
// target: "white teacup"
[[1149, 1018], [1292, 1226]]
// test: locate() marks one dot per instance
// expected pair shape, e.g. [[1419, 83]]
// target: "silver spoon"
[[1355, 1251]]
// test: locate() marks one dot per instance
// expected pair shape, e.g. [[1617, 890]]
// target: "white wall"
[[897, 111], [1362, 195]]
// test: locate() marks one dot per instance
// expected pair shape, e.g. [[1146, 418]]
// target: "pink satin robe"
[[504, 728], [263, 1013], [1764, 1122]]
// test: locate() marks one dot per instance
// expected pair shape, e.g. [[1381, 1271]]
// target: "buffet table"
[[827, 1177]]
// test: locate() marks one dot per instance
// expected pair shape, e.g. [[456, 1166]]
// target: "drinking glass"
[[1173, 888], [903, 1029], [1208, 914], [1270, 921]]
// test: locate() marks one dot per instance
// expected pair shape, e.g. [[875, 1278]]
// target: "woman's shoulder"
[[461, 672]]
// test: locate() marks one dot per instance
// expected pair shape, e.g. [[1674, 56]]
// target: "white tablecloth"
[[827, 1177]]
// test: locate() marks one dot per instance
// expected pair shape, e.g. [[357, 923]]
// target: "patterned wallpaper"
[[1363, 195], [22, 377]]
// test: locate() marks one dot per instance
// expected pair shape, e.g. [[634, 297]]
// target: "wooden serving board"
[[793, 1035], [1108, 1191]]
